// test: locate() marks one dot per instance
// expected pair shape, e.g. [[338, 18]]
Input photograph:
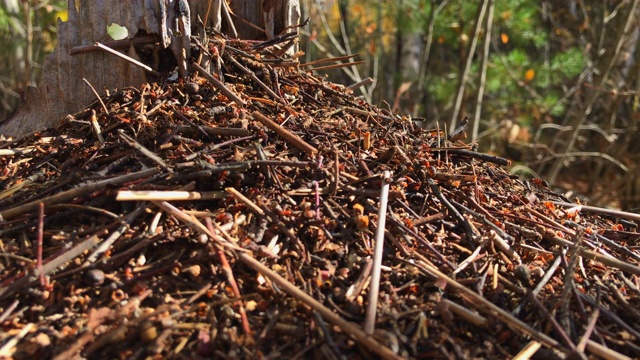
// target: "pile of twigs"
[[236, 215]]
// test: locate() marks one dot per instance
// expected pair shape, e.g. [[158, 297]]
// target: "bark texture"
[[62, 90]]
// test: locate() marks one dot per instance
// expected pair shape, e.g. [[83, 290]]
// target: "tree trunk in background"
[[62, 90]]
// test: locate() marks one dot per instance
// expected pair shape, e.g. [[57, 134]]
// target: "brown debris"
[[233, 215]]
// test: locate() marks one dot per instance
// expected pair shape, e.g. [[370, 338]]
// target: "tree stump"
[[149, 23]]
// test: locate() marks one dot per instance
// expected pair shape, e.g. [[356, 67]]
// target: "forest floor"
[[236, 215]]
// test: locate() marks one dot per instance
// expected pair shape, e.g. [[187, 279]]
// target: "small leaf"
[[529, 75], [63, 15], [372, 47], [117, 32], [404, 87], [371, 28]]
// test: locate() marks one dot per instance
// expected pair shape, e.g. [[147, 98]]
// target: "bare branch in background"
[[352, 72], [347, 44], [465, 74], [328, 30], [422, 73], [593, 95], [483, 73], [28, 58]]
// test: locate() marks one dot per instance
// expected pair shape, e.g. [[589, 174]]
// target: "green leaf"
[[117, 32], [554, 105], [569, 63], [518, 57]]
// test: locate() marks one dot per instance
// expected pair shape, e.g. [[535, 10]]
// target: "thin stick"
[[85, 208], [40, 237], [192, 124], [104, 107], [195, 224], [468, 315], [26, 280], [607, 260], [127, 58], [6, 349], [255, 208], [490, 308], [335, 66], [255, 78], [557, 327], [624, 30], [221, 131], [348, 327], [368, 113], [284, 133], [471, 258], [504, 246], [77, 192], [359, 84], [336, 174], [227, 16], [604, 352], [356, 288], [219, 85], [483, 73], [374, 287], [461, 219], [123, 44], [232, 282], [15, 152], [96, 126], [551, 221], [75, 348], [582, 344], [545, 279], [146, 152], [206, 14], [599, 210], [335, 58], [9, 310], [464, 78], [128, 195], [474, 154], [527, 352], [106, 244]]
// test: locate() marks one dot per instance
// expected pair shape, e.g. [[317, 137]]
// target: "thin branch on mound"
[[350, 328], [77, 192], [219, 85]]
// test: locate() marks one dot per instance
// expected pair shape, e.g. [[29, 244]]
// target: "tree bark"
[[62, 90]]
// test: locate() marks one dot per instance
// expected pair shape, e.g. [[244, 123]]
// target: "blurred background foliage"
[[27, 35], [559, 95], [553, 85]]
